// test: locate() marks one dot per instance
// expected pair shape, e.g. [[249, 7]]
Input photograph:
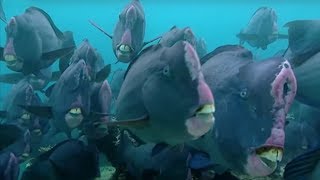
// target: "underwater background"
[[217, 21]]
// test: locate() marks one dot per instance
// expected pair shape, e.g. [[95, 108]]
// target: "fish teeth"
[[207, 109], [10, 58], [25, 116], [124, 48], [273, 154], [75, 111]]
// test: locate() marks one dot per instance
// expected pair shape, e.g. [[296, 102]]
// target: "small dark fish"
[[128, 35], [151, 96], [70, 159], [46, 42], [304, 36], [246, 128], [305, 166], [262, 29]]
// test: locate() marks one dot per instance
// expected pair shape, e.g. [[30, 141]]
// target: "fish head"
[[9, 53], [177, 95], [87, 53], [22, 44], [175, 34], [129, 32], [70, 98], [21, 94], [254, 130]]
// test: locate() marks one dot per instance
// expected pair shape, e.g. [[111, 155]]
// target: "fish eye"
[[166, 71], [244, 93]]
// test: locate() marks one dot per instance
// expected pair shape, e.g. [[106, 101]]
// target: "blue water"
[[216, 21]]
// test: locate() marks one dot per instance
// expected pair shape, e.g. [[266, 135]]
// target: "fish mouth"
[[37, 132], [10, 59], [74, 117], [124, 50], [25, 119], [270, 156], [202, 121], [26, 116], [264, 161]]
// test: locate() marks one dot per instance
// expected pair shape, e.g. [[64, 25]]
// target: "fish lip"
[[266, 161], [74, 117], [262, 161], [10, 59], [201, 121], [125, 53], [285, 79]]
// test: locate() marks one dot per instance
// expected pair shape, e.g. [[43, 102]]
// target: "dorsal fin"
[[54, 27]]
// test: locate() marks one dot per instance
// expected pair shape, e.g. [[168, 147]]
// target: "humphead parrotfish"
[[46, 42], [262, 29], [97, 70], [252, 100], [23, 94], [304, 53], [129, 32], [164, 97], [69, 99]]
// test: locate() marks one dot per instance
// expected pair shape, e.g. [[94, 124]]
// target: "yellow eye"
[[75, 111]]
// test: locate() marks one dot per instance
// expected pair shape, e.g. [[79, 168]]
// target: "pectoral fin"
[[138, 122], [42, 111]]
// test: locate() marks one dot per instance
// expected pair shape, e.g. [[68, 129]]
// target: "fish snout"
[[9, 53], [74, 117], [263, 160], [131, 17], [203, 119], [124, 49]]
